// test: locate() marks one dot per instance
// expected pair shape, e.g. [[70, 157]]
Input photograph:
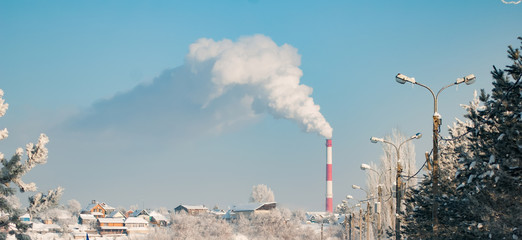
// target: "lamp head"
[[470, 79], [365, 166], [402, 79], [417, 136], [376, 140]]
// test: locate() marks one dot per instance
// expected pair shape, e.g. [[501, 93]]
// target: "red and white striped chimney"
[[329, 192]]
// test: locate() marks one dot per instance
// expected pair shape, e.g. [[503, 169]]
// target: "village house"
[[115, 214], [248, 210], [86, 219], [141, 213], [111, 226], [192, 210], [98, 210], [158, 219], [26, 218], [136, 225]]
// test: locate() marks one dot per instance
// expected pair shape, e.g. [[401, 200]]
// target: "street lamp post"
[[398, 179], [368, 210], [345, 208], [379, 194], [470, 79]]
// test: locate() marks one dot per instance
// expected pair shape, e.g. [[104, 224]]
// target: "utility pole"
[[351, 224], [360, 224], [368, 212], [398, 179], [378, 210], [470, 79]]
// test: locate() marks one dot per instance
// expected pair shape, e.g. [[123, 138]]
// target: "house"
[[317, 217], [86, 219], [111, 226], [192, 210], [95, 209], [218, 213], [108, 209], [140, 213], [98, 209], [47, 221], [45, 228], [249, 209], [136, 225], [26, 218], [158, 219], [115, 214]]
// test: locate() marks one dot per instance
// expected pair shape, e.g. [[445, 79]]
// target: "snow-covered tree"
[[490, 169], [11, 175], [261, 193], [480, 171], [384, 175], [204, 226], [418, 221], [74, 207], [279, 224]]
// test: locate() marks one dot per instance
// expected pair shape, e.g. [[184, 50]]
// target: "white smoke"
[[269, 74], [511, 2]]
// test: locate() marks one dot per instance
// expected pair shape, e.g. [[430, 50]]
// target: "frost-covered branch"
[[11, 172]]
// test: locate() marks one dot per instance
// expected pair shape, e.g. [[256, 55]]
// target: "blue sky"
[[78, 71]]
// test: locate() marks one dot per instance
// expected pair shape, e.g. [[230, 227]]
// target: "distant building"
[[111, 226], [136, 225], [26, 218], [98, 209], [192, 210], [115, 214], [317, 217], [141, 213], [86, 219], [249, 209], [158, 219], [45, 228]]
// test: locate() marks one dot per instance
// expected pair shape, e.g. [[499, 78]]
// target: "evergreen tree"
[[480, 170], [490, 168], [11, 173]]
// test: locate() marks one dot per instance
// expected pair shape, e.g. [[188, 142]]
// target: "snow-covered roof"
[[250, 207], [194, 207], [158, 216], [106, 206], [139, 212], [115, 214], [135, 220], [87, 217], [26, 216], [97, 214], [44, 227], [89, 207], [111, 220], [93, 204]]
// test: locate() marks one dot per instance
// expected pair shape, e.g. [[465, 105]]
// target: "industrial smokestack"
[[329, 192]]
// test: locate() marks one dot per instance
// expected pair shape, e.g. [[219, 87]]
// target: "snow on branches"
[[12, 171]]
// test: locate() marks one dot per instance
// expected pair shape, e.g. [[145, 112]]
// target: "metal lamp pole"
[[401, 78], [368, 211], [379, 192], [398, 180]]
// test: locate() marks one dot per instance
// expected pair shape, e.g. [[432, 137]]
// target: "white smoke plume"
[[268, 73], [511, 2]]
